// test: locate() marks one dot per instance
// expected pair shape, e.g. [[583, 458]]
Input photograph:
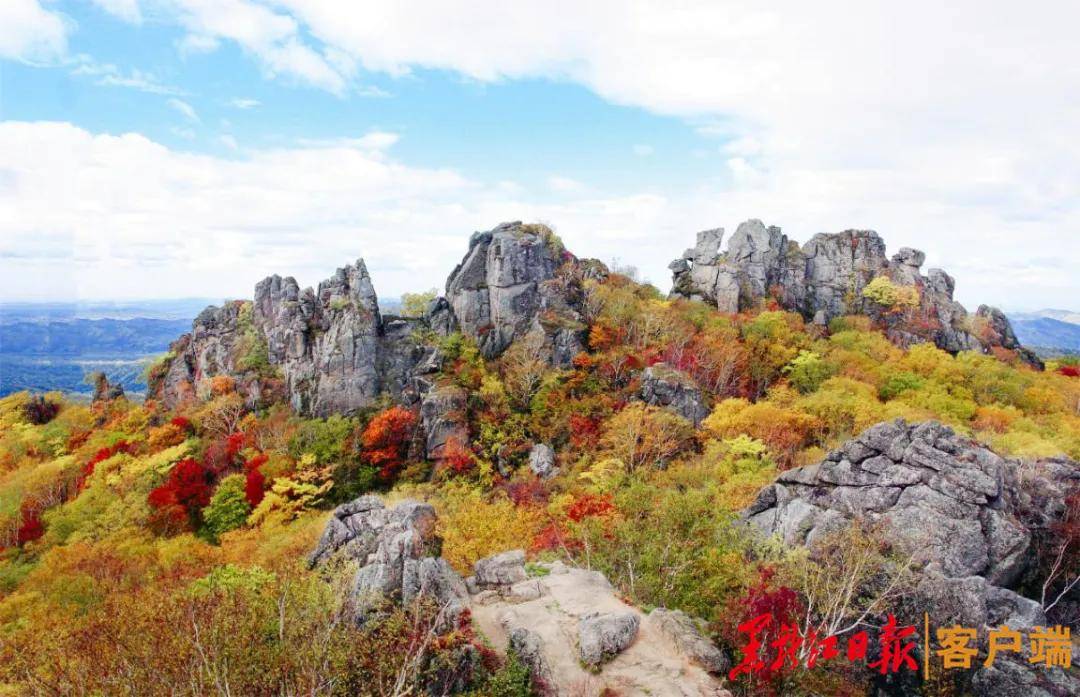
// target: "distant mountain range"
[[1052, 332], [52, 346]]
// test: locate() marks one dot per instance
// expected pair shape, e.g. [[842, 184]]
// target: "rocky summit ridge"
[[331, 350], [831, 276]]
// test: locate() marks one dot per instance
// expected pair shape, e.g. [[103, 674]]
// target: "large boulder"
[[942, 497], [665, 386], [965, 516], [443, 419], [542, 461], [826, 277], [603, 635], [500, 570], [398, 553]]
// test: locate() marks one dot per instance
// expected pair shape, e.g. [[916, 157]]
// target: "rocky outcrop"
[[516, 281], [104, 391], [330, 350], [665, 386], [604, 635], [542, 461], [577, 637], [442, 417], [825, 278], [568, 626], [331, 346], [398, 554], [945, 498], [687, 634], [965, 515]]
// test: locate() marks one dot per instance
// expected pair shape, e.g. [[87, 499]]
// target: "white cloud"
[[643, 150], [564, 185], [30, 33], [123, 216], [108, 75], [185, 109], [193, 44], [127, 10], [273, 38], [242, 103]]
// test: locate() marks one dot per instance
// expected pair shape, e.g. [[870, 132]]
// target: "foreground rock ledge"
[[964, 514], [567, 625]]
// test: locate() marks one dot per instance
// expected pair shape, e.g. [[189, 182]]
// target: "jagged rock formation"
[[331, 346], [398, 553], [825, 278], [946, 498], [665, 386], [965, 515], [104, 391], [509, 286], [330, 350]]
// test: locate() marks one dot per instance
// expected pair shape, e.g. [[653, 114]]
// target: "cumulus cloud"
[[30, 33], [244, 103], [130, 217]]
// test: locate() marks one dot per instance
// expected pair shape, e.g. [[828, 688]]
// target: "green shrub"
[[807, 371], [229, 508]]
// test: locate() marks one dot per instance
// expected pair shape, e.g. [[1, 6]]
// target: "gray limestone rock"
[[825, 278], [665, 386], [542, 461], [443, 419], [331, 347], [500, 570], [510, 285], [398, 555], [687, 636], [945, 499], [604, 635]]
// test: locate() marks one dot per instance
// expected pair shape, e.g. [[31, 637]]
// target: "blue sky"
[[170, 148]]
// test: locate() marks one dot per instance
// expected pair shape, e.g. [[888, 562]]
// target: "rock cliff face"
[[826, 278], [330, 350], [331, 346], [966, 515], [509, 287]]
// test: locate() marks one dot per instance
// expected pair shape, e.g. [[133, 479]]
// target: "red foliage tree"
[[100, 456], [590, 506], [182, 423], [183, 495], [1070, 371], [457, 456], [31, 528], [584, 431], [385, 440], [782, 607], [255, 483]]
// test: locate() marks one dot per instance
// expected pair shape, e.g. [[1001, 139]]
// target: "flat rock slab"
[[651, 665]]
